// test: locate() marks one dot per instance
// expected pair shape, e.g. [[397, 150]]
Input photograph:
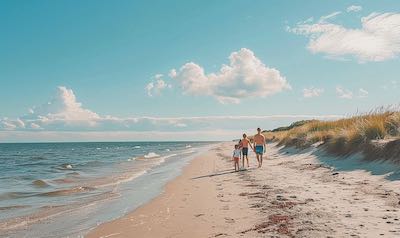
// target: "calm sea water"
[[69, 188]]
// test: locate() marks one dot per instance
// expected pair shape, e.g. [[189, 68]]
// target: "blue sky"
[[103, 55]]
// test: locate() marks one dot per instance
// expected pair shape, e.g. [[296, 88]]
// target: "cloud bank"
[[65, 118], [244, 77], [377, 39]]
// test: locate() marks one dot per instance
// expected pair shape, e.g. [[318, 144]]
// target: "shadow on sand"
[[349, 162], [224, 172]]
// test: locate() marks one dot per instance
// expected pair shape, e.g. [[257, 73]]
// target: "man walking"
[[259, 146], [244, 144]]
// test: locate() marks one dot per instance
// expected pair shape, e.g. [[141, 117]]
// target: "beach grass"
[[343, 136]]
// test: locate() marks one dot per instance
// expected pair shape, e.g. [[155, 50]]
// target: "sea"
[[66, 189]]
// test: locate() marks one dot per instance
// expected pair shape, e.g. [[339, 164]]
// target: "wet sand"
[[292, 195]]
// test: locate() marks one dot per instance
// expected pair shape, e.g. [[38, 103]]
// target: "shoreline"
[[292, 195], [185, 200], [122, 184]]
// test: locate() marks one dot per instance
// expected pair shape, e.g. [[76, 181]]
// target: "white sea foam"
[[162, 159], [131, 159], [137, 147], [188, 146], [66, 166], [151, 155], [113, 181]]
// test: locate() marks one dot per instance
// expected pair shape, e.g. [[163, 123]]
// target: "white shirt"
[[236, 153]]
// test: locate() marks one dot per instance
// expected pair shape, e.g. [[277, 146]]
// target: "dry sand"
[[292, 195]]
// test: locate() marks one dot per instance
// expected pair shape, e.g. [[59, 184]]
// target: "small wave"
[[66, 166], [98, 148], [168, 150], [73, 174], [93, 163], [38, 158], [137, 147], [46, 212], [66, 192], [40, 183], [63, 192], [63, 181], [14, 195], [33, 163], [117, 180], [167, 156], [188, 146], [70, 178], [131, 177], [13, 207], [151, 155], [131, 159]]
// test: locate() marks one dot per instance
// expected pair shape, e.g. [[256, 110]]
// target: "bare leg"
[[258, 160], [247, 159], [261, 160]]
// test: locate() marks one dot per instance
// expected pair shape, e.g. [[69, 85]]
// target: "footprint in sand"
[[229, 220], [226, 207], [220, 234]]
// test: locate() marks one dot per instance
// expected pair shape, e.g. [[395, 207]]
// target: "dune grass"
[[342, 136]]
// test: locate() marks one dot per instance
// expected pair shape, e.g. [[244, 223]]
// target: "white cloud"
[[348, 94], [312, 92], [378, 39], [63, 107], [6, 124], [354, 8], [323, 19], [245, 77], [64, 118], [362, 93], [344, 93], [35, 126], [10, 124], [156, 86], [172, 73]]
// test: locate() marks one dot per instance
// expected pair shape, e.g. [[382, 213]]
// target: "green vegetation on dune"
[[376, 133], [291, 126]]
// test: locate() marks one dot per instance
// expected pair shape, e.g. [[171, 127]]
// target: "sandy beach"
[[292, 195]]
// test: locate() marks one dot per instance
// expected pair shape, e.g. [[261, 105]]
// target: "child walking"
[[236, 157]]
